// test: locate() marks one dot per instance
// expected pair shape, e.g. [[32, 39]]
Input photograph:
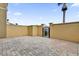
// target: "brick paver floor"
[[37, 46]]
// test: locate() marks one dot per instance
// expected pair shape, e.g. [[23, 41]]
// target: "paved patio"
[[37, 46]]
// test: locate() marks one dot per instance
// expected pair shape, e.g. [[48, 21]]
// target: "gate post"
[[42, 30], [51, 29]]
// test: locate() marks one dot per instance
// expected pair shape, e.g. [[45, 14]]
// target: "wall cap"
[[66, 23]]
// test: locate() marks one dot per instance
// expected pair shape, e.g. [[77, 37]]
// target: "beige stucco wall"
[[37, 30], [16, 30], [34, 29], [30, 31], [68, 31], [3, 16], [3, 5]]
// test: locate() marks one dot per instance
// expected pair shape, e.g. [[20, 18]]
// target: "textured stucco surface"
[[3, 15], [19, 30], [68, 31]]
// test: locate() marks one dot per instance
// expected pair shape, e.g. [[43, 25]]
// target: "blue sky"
[[40, 13]]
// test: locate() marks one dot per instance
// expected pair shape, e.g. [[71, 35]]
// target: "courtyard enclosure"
[[3, 10], [67, 31], [37, 30], [16, 30], [19, 30]]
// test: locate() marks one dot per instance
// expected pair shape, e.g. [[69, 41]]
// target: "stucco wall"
[[68, 31], [37, 30], [34, 29], [3, 15], [30, 31], [16, 30]]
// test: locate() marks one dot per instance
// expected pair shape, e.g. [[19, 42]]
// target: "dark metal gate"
[[46, 31]]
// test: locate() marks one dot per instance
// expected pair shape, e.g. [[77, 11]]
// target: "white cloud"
[[17, 13], [16, 4], [75, 4]]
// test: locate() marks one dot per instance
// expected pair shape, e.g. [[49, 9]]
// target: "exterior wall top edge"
[[66, 23], [16, 25]]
